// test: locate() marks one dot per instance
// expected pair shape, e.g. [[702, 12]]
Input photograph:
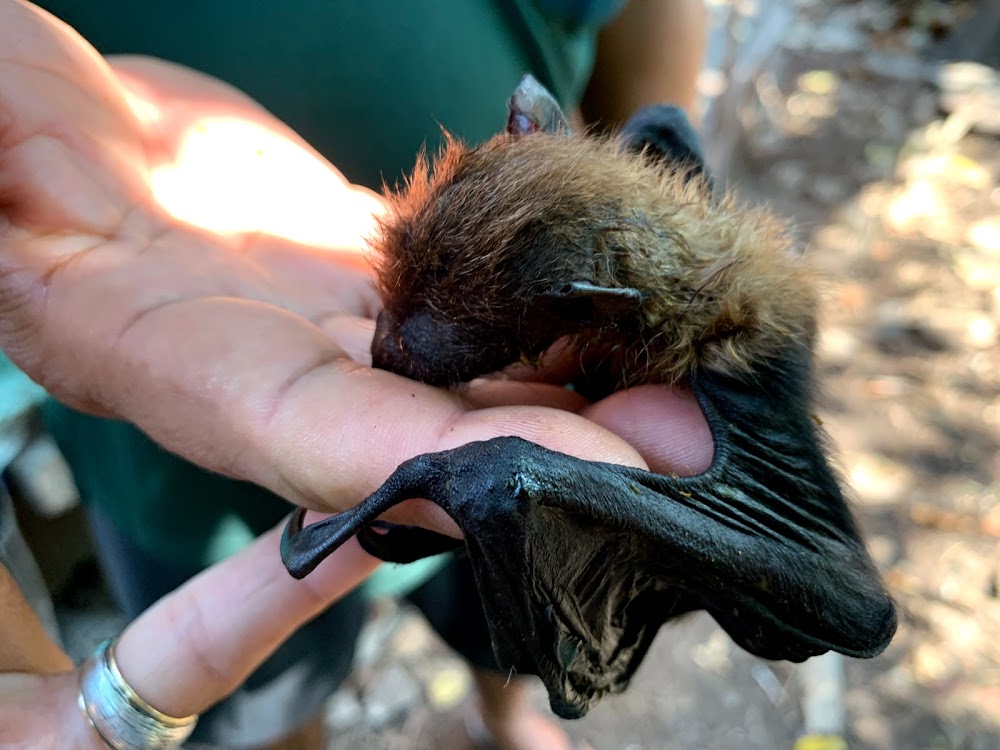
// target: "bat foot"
[[404, 544]]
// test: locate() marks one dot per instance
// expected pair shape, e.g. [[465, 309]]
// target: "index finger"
[[210, 634]]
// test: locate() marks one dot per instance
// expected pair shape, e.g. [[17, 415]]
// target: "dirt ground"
[[830, 111]]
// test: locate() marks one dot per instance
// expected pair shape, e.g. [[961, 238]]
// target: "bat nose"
[[423, 347], [387, 345], [408, 348]]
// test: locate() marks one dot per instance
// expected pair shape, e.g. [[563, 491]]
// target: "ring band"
[[119, 716]]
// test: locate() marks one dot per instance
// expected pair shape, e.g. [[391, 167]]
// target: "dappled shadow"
[[897, 202]]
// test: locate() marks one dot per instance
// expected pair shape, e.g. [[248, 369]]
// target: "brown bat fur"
[[481, 231]]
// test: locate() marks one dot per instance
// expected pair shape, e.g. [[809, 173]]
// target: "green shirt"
[[367, 84]]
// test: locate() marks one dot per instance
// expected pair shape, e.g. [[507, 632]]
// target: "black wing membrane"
[[578, 563], [665, 130]]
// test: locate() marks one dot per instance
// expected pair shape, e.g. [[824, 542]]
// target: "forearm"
[[650, 54]]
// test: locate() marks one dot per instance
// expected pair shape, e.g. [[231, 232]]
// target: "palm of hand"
[[167, 306]]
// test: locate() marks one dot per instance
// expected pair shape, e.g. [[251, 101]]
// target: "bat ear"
[[665, 130], [586, 303], [533, 109]]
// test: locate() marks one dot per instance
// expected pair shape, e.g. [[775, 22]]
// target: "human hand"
[[183, 655], [145, 277]]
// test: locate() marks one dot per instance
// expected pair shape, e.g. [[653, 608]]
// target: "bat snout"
[[435, 351], [404, 349]]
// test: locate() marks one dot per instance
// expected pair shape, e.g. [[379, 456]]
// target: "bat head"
[[495, 252], [459, 286]]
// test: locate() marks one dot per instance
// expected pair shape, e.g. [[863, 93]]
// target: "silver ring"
[[119, 716]]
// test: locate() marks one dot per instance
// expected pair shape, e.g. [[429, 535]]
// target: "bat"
[[620, 245]]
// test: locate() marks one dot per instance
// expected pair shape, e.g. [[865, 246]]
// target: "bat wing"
[[665, 130], [578, 564]]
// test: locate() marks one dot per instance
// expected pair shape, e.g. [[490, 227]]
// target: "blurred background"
[[874, 125]]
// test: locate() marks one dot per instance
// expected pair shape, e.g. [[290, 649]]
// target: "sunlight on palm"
[[231, 176]]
